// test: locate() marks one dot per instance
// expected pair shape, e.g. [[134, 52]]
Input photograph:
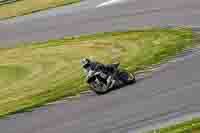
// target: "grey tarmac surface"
[[170, 92], [85, 18]]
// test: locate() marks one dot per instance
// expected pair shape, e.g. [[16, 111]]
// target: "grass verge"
[[35, 74], [24, 7], [192, 126]]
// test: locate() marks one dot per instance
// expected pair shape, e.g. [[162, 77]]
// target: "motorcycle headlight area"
[[91, 79]]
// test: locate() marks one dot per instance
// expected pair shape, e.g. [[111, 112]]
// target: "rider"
[[88, 64]]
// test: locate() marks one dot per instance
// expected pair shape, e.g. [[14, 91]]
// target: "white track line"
[[110, 2]]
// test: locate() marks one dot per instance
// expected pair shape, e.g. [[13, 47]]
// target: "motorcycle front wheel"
[[99, 88]]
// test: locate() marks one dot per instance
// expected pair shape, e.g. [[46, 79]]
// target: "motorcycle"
[[97, 80]]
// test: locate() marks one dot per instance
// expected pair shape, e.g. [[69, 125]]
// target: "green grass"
[[24, 7], [35, 74], [192, 126]]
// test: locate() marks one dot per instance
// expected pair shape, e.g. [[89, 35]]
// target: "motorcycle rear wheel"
[[131, 77]]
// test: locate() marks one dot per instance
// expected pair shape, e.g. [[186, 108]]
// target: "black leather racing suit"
[[109, 69]]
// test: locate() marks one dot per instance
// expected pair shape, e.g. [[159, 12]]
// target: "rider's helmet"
[[85, 62]]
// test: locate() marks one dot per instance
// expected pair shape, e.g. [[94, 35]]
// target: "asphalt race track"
[[87, 18], [169, 93]]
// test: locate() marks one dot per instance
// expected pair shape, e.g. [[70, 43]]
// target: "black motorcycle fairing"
[[93, 78]]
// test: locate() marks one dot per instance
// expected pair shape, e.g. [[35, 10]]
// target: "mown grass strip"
[[24, 7], [36, 74], [192, 126], [3, 2]]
